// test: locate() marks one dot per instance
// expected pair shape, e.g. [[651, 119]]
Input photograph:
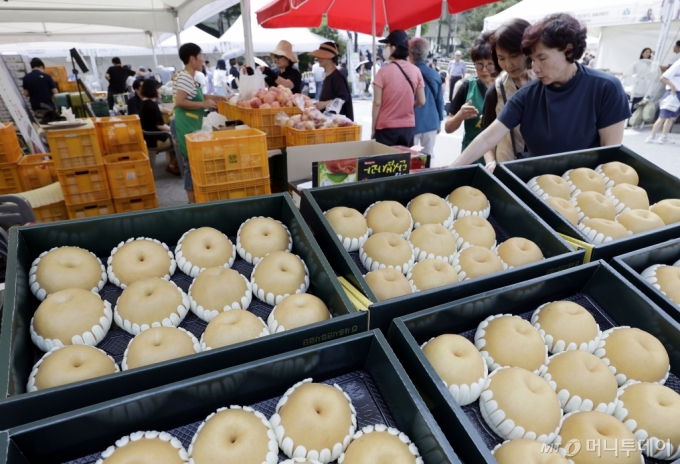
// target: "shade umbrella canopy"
[[356, 15], [265, 40]]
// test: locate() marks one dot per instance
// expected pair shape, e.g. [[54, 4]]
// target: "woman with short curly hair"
[[569, 107]]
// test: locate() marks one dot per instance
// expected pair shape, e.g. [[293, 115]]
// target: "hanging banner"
[[16, 105]]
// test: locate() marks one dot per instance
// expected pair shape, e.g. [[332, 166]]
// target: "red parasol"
[[356, 15]]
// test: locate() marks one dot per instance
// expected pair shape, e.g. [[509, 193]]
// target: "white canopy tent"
[[20, 32], [207, 42], [155, 15], [624, 27], [265, 40]]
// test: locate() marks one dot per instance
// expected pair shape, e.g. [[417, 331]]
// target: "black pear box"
[[659, 184], [100, 235], [596, 286], [509, 217], [633, 264], [363, 365]]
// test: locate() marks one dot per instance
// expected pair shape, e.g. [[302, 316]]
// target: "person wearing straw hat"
[[287, 76], [335, 84]]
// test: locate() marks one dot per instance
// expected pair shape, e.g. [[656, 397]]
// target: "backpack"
[[649, 112]]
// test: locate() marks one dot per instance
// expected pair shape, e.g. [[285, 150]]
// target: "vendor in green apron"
[[468, 101], [190, 104]]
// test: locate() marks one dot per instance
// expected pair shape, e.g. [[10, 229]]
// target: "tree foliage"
[[474, 23]]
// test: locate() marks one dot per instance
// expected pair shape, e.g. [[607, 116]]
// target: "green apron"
[[187, 122], [473, 127]]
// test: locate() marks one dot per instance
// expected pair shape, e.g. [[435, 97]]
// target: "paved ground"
[[171, 193]]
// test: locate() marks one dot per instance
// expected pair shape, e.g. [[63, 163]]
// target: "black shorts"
[[398, 136]]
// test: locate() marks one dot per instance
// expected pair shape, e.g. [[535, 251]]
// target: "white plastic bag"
[[249, 85], [670, 103]]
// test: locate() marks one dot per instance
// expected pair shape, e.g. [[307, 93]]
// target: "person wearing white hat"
[[334, 85], [287, 76]]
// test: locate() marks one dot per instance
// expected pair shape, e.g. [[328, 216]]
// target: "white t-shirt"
[[201, 80], [318, 72], [673, 75]]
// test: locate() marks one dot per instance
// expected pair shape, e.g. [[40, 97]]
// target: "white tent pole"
[[153, 49], [666, 18], [418, 30], [247, 32], [373, 28], [93, 62], [177, 31]]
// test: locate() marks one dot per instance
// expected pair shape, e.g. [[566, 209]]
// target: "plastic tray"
[[265, 120], [363, 365], [232, 190], [120, 134], [129, 174], [135, 203], [658, 183], [9, 179], [631, 266], [51, 213], [99, 235], [74, 148], [37, 171], [84, 185], [10, 150], [227, 110], [510, 217], [295, 137], [227, 156], [89, 210], [597, 287]]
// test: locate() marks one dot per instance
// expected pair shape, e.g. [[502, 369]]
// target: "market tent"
[[61, 49], [153, 15], [593, 14], [209, 43], [624, 28], [620, 46], [19, 32], [265, 40]]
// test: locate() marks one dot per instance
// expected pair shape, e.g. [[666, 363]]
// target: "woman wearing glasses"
[[287, 76], [568, 108], [468, 101]]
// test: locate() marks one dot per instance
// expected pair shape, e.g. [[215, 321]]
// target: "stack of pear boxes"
[[126, 160]]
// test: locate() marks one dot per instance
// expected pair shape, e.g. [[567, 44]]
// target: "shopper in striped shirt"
[[190, 104]]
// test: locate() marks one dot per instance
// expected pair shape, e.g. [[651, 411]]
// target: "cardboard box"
[[631, 266], [100, 235], [596, 286], [511, 218], [363, 365], [658, 183], [300, 159]]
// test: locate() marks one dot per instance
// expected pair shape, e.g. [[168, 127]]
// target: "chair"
[[155, 150], [15, 210]]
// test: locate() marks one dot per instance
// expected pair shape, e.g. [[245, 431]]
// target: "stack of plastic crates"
[[10, 154], [228, 164], [131, 181], [81, 172], [37, 171]]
